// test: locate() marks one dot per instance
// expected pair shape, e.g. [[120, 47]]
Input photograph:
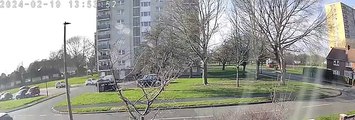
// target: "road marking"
[[42, 115], [316, 105], [179, 118]]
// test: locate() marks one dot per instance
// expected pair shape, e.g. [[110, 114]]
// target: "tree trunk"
[[244, 66], [204, 73], [224, 66], [283, 70], [237, 76], [257, 72], [191, 72]]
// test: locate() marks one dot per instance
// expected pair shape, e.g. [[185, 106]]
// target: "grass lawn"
[[12, 104], [333, 116], [72, 81], [177, 104], [190, 88]]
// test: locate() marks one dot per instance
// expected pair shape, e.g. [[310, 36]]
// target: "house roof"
[[342, 54]]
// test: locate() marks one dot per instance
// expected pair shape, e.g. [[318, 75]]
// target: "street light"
[[38, 70], [65, 72]]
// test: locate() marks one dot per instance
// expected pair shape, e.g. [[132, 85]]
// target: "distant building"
[[342, 61], [120, 32], [340, 25]]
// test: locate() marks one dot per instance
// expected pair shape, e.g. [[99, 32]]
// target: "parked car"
[[104, 85], [24, 88], [33, 91], [150, 80], [60, 84], [6, 96], [5, 116], [90, 82], [20, 94]]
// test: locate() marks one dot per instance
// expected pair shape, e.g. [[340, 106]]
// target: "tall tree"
[[283, 23], [196, 22], [80, 48]]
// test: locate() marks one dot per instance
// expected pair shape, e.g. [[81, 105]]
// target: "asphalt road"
[[296, 110], [43, 110]]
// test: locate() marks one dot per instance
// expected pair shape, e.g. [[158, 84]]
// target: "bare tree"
[[196, 21], [283, 23], [222, 54], [163, 55], [80, 48]]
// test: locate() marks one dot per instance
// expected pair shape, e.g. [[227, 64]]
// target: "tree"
[[165, 55], [283, 23], [22, 72], [195, 21], [81, 49], [222, 54]]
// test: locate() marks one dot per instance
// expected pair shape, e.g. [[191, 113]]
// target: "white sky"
[[29, 34]]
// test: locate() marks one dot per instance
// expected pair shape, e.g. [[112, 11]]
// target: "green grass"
[[72, 81], [333, 116], [190, 88], [236, 101], [12, 104]]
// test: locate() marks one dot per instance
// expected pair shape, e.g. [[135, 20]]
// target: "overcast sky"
[[29, 34]]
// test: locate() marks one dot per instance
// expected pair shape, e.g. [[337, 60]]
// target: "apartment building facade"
[[340, 25], [120, 32]]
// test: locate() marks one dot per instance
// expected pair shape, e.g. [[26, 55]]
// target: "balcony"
[[104, 57], [101, 37], [103, 27], [103, 47], [103, 17], [102, 6], [102, 68]]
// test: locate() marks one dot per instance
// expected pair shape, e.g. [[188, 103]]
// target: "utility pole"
[[65, 73]]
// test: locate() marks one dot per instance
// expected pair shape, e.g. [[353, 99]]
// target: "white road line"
[[42, 115], [316, 105], [179, 118]]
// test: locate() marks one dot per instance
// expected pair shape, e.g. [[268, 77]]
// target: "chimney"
[[348, 48]]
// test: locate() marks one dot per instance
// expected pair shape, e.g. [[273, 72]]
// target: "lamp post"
[[46, 81], [65, 72]]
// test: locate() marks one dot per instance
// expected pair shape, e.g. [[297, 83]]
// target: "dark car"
[[6, 96], [21, 94], [151, 80], [24, 88], [33, 91], [104, 85], [5, 116]]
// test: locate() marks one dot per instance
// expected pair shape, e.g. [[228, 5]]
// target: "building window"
[[145, 23], [120, 12], [136, 41], [120, 2], [145, 4], [336, 62], [136, 21], [145, 13], [136, 31], [336, 72], [122, 62], [136, 11], [120, 21], [136, 3], [121, 52], [159, 8]]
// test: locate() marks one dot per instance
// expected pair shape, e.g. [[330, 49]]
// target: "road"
[[295, 109]]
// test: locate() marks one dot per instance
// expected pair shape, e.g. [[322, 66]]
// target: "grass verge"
[[333, 116], [176, 105], [12, 104], [192, 88]]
